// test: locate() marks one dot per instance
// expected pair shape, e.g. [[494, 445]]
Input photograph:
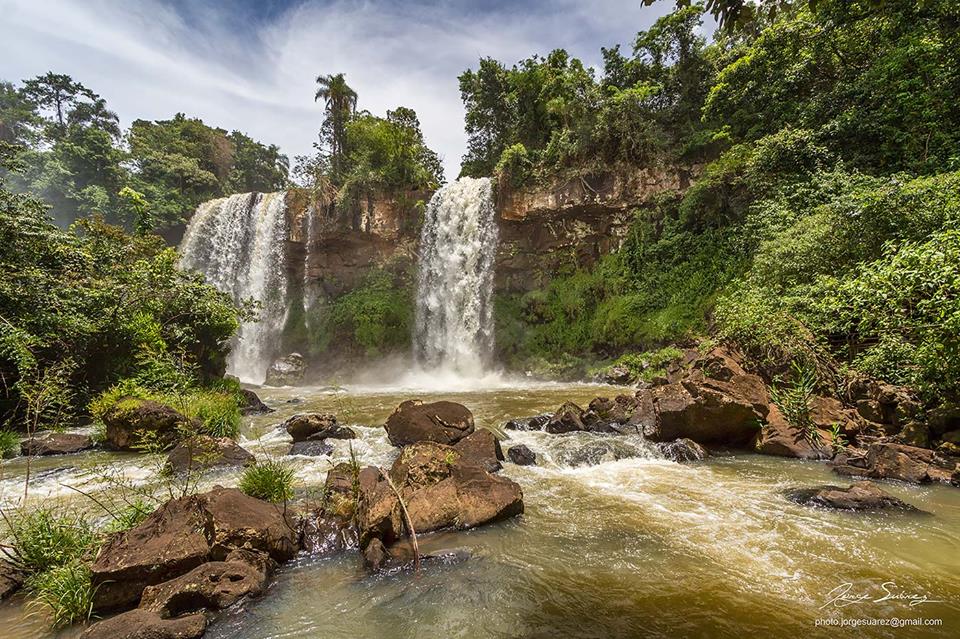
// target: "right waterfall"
[[458, 244]]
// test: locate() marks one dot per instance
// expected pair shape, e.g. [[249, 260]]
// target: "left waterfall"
[[238, 243]]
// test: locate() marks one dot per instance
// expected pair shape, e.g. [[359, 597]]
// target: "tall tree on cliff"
[[340, 102]]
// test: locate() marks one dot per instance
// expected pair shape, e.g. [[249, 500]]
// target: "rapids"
[[615, 540]]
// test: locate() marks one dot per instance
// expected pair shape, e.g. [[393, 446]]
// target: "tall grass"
[[47, 538], [9, 443], [65, 593], [271, 480]]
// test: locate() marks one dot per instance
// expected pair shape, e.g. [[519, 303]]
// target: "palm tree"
[[340, 102]]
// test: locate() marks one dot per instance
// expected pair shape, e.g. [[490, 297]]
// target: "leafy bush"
[[793, 399], [373, 319], [9, 443], [647, 365], [64, 592], [270, 480], [48, 537]]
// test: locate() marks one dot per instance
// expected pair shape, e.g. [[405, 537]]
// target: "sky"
[[251, 65]]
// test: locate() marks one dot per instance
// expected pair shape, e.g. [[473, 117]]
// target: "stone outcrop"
[[535, 422], [286, 371], [183, 534], [306, 426], [203, 451], [214, 585], [442, 422], [885, 460], [56, 444], [129, 417], [11, 579], [481, 448], [863, 495], [311, 448], [143, 624]]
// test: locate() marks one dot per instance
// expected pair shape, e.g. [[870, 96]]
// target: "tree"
[[58, 92], [340, 102], [17, 115]]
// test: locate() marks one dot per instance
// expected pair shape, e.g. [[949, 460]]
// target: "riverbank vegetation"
[[823, 218]]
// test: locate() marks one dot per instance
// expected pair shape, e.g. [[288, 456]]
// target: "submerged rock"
[[683, 450], [897, 461], [536, 422], [400, 556], [56, 444], [481, 448], [183, 534], [442, 422], [129, 417], [252, 404], [143, 624], [203, 452], [286, 371], [863, 495], [521, 455], [316, 426], [311, 448]]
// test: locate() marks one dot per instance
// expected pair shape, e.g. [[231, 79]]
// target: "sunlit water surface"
[[615, 541]]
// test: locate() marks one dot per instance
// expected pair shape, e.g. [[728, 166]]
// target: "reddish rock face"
[[896, 461], [481, 448], [441, 422]]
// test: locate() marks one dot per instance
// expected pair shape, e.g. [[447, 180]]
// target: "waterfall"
[[238, 243], [458, 243]]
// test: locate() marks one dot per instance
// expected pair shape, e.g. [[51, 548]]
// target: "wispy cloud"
[[251, 65]]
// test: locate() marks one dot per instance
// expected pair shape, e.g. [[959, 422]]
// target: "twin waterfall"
[[239, 244], [458, 244]]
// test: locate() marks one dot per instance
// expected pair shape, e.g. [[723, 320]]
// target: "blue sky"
[[250, 64]]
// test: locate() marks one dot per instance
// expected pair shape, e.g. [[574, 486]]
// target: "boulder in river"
[[535, 422], [181, 535], [441, 422], [567, 419], [286, 371], [521, 455], [130, 416], [778, 437], [56, 444], [11, 579], [311, 448], [143, 624], [863, 495], [683, 450], [305, 426], [203, 451], [214, 585], [482, 448], [884, 460], [441, 490], [252, 404]]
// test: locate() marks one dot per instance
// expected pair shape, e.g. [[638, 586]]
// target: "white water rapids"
[[238, 243]]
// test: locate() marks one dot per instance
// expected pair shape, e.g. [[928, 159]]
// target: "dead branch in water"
[[407, 522]]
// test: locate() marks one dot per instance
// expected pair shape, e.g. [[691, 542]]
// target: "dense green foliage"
[[79, 161], [824, 226], [270, 480], [82, 309], [65, 593]]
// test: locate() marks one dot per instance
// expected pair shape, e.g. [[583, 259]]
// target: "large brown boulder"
[[316, 426], [129, 417], [286, 371], [214, 585], [442, 422], [181, 535], [56, 444], [481, 448], [896, 461], [440, 488], [252, 404], [777, 437], [143, 624], [203, 451], [567, 419], [863, 495]]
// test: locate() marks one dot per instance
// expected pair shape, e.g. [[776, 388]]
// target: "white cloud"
[[151, 61]]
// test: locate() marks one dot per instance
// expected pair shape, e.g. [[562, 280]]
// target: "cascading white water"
[[458, 243], [238, 244]]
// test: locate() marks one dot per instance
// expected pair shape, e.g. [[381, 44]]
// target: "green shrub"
[[48, 537], [64, 592], [270, 480], [793, 399], [647, 365], [9, 443]]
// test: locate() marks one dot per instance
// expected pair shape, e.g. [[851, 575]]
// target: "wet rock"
[[328, 534], [181, 535], [683, 450], [618, 374], [778, 437], [442, 422], [915, 433], [536, 422], [56, 444], [375, 555], [311, 448], [521, 455], [440, 489], [252, 404], [400, 556], [885, 460], [286, 371], [143, 624], [214, 585], [316, 426], [129, 416], [481, 448], [11, 579], [340, 479], [567, 419], [594, 450], [203, 451], [863, 495]]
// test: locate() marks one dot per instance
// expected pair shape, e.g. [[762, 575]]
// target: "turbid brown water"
[[615, 542]]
